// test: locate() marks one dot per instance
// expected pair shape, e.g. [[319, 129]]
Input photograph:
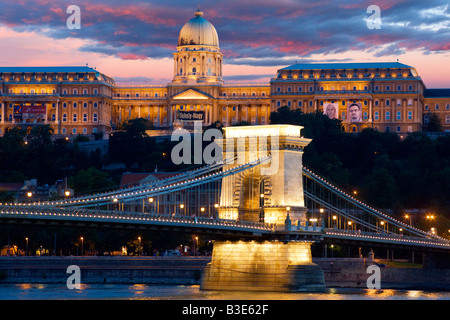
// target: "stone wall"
[[161, 270], [266, 266], [352, 273]]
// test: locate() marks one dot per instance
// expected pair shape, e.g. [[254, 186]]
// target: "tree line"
[[388, 172]]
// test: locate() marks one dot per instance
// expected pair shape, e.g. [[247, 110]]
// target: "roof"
[[436, 93], [198, 31], [350, 65], [48, 69], [131, 179], [11, 186]]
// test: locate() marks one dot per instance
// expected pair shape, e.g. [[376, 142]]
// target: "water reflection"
[[28, 291]]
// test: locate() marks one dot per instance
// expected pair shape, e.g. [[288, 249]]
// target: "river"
[[32, 291]]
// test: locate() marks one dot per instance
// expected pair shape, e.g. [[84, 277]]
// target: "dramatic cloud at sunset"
[[135, 39]]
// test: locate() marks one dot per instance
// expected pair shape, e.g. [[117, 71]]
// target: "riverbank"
[[339, 272]]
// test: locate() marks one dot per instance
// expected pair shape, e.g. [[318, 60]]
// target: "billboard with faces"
[[331, 110], [354, 112]]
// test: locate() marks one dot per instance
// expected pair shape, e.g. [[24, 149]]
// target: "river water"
[[28, 291]]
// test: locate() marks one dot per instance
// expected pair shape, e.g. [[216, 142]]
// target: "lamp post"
[[151, 203], [261, 207], [382, 224], [139, 246], [26, 246], [195, 246], [82, 245], [29, 195], [335, 221], [407, 216], [181, 208]]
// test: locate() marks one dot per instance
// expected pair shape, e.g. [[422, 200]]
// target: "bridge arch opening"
[[254, 195]]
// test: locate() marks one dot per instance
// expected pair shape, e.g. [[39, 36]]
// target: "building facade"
[[387, 96], [73, 100]]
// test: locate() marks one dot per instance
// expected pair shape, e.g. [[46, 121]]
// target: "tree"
[[137, 127], [90, 180], [434, 123]]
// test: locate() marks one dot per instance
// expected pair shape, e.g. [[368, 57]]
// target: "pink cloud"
[[131, 56]]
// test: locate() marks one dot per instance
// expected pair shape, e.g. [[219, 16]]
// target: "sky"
[[133, 41]]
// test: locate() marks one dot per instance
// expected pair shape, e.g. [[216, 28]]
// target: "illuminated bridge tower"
[[264, 193], [269, 192]]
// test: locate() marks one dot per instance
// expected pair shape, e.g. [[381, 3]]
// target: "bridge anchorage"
[[262, 197]]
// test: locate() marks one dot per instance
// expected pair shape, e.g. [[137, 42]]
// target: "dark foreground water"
[[29, 291]]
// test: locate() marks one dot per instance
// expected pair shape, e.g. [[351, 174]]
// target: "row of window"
[[75, 105], [75, 130], [436, 107], [224, 94], [253, 120], [343, 102], [426, 119], [13, 77], [194, 71], [75, 117], [344, 88], [387, 115], [137, 95], [51, 91], [64, 117]]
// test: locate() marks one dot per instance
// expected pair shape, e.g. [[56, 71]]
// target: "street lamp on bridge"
[[350, 225], [139, 246], [335, 221], [407, 216]]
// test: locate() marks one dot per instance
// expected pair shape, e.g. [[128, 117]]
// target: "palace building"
[[388, 96]]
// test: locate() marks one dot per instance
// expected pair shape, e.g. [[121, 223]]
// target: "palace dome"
[[198, 31]]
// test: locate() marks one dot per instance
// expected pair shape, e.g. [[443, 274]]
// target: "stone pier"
[[263, 266]]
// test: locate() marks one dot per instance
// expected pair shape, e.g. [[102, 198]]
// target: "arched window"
[[376, 115], [194, 70]]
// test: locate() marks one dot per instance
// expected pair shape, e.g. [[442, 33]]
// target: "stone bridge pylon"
[[269, 191]]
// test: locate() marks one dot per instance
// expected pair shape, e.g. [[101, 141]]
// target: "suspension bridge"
[[236, 200]]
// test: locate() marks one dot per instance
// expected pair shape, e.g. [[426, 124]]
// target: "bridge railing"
[[371, 211], [88, 214], [385, 236]]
